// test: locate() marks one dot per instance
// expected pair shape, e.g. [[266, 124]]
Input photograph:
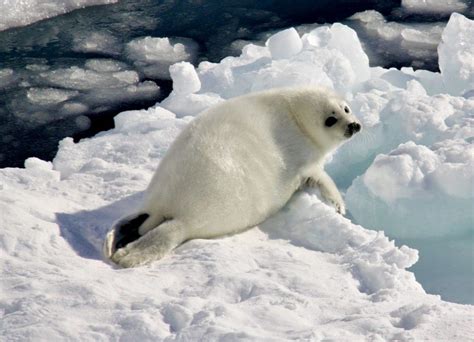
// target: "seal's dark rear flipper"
[[127, 230]]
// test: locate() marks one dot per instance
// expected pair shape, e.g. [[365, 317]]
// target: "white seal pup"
[[232, 167]]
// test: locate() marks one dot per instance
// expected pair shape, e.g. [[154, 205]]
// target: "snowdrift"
[[307, 272]]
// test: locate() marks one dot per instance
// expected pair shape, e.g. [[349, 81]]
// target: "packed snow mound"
[[24, 12], [153, 56], [305, 273], [434, 6]]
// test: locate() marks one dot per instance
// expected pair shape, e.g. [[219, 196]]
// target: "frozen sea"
[[307, 272]]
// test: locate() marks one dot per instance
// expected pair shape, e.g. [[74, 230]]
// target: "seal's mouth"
[[351, 129]]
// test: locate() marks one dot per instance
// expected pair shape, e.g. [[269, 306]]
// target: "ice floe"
[[305, 273]]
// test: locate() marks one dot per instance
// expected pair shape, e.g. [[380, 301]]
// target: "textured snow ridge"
[[24, 12], [306, 273]]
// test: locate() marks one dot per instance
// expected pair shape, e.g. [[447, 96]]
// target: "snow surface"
[[306, 273], [16, 13]]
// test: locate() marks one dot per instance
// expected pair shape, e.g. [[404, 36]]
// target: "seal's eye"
[[346, 109], [331, 121]]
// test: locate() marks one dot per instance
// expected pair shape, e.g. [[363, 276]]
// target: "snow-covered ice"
[[24, 12], [397, 42], [435, 6], [306, 273]]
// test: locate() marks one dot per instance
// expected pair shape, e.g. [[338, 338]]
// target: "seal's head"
[[341, 118], [325, 117]]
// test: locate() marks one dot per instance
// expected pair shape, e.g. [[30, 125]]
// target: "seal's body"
[[234, 166]]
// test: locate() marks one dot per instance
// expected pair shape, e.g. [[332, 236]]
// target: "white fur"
[[234, 166]]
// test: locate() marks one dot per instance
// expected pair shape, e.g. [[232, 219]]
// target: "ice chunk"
[[185, 78], [456, 54], [153, 56], [183, 101], [20, 13], [434, 6], [432, 81], [41, 169], [345, 41], [284, 44], [105, 65], [190, 104], [401, 173], [283, 73], [415, 191], [455, 175], [46, 96]]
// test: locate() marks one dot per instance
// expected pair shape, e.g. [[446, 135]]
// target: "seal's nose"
[[353, 127]]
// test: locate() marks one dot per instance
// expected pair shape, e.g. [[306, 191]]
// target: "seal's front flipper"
[[124, 232]]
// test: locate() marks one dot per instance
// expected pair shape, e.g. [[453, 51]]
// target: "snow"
[[24, 12], [306, 273]]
